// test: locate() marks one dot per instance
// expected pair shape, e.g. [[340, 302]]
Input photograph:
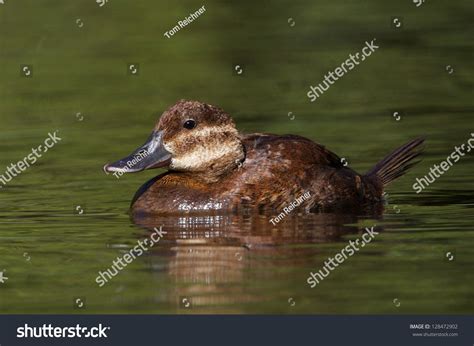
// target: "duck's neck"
[[225, 165], [222, 162]]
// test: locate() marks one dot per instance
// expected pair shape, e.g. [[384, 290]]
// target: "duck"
[[212, 167]]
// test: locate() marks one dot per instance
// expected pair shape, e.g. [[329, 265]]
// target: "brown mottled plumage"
[[213, 167]]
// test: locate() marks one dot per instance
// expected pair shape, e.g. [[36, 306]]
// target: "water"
[[63, 220]]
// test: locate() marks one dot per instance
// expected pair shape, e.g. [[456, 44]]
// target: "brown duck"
[[212, 167]]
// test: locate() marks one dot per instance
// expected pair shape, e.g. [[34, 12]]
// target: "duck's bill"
[[152, 154]]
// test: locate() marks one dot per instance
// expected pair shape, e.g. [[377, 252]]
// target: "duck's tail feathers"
[[397, 163]]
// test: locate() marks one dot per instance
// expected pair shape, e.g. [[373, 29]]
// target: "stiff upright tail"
[[397, 163]]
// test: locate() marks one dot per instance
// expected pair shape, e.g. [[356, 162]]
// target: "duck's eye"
[[189, 124]]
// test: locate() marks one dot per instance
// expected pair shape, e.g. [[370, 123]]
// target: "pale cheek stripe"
[[201, 158], [199, 133]]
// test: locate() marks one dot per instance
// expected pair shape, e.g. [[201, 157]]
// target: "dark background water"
[[80, 86]]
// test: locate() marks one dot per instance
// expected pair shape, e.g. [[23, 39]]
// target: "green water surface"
[[63, 219]]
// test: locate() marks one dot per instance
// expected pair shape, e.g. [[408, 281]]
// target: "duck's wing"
[[297, 147]]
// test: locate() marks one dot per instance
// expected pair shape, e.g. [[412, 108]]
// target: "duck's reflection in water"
[[217, 262]]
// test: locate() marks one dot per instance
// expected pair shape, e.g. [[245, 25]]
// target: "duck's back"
[[280, 169], [299, 150]]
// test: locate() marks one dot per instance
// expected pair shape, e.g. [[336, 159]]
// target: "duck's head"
[[190, 137]]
